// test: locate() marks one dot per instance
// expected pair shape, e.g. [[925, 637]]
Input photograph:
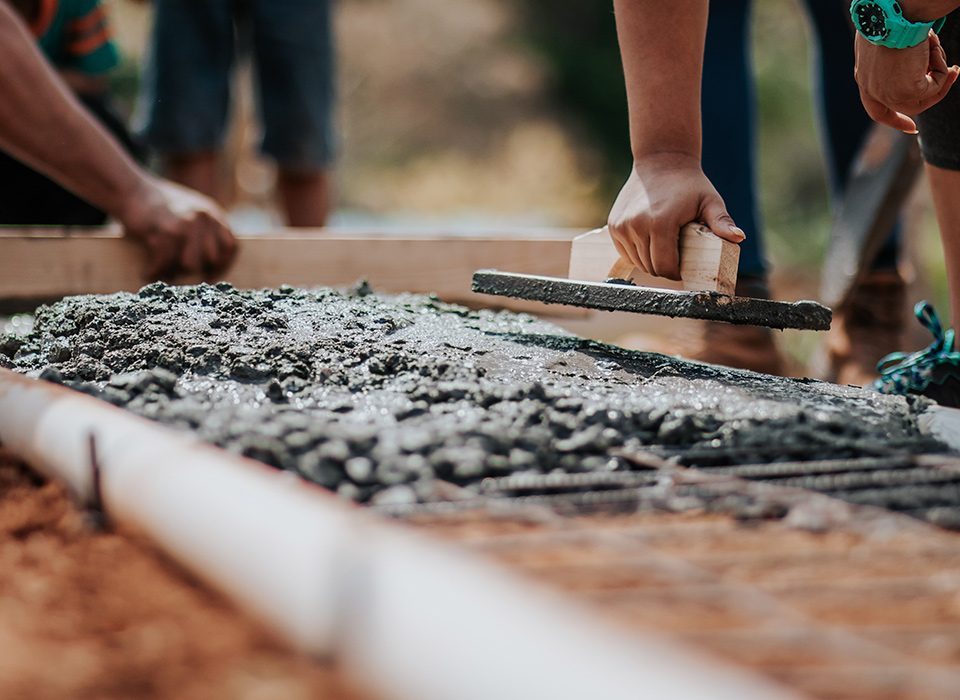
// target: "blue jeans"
[[729, 116], [185, 100]]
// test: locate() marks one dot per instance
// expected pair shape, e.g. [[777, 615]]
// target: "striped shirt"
[[75, 34]]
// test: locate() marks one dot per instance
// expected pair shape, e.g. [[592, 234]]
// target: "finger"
[[161, 257], [210, 246], [938, 80], [220, 245], [664, 251], [621, 251], [716, 217], [884, 115], [953, 72], [938, 57], [946, 83], [937, 87], [936, 77], [624, 245], [191, 252], [228, 245], [640, 240]]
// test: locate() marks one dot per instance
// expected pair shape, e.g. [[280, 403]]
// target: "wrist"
[[135, 201], [666, 159]]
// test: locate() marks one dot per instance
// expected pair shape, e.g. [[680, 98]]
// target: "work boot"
[[742, 347], [866, 329]]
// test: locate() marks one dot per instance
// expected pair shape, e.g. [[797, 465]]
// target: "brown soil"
[[90, 614], [870, 609]]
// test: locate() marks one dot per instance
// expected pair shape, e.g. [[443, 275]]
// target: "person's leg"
[[293, 53], [198, 170], [305, 196], [729, 160], [945, 186], [186, 94], [729, 125], [844, 122], [939, 130], [935, 371], [870, 325]]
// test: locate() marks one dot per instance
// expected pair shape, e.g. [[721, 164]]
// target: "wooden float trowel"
[[600, 279]]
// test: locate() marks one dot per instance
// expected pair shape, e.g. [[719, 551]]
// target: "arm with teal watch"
[[881, 22]]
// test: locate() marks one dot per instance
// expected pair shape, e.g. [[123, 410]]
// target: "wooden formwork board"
[[56, 262]]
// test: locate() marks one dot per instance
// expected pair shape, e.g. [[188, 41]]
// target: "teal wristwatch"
[[881, 22]]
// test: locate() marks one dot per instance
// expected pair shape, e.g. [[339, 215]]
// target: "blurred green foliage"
[[578, 42], [793, 190]]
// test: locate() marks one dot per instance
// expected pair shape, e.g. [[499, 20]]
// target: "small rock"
[[359, 469], [395, 496], [52, 375]]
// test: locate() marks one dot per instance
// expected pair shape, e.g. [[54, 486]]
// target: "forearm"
[[43, 124], [927, 10], [661, 44]]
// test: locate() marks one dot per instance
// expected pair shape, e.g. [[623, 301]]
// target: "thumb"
[[884, 115], [715, 216]]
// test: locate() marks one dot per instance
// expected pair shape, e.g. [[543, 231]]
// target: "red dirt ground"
[[87, 614], [868, 610]]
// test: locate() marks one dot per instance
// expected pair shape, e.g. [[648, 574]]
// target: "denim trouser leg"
[[844, 122], [729, 115], [729, 123]]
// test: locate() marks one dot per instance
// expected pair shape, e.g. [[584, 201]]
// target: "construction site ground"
[[88, 614], [853, 612], [866, 607], [760, 519]]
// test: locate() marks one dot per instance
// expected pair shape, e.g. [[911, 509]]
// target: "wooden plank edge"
[[102, 262]]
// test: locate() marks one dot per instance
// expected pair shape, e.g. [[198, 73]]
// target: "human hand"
[[182, 230], [895, 83], [664, 193]]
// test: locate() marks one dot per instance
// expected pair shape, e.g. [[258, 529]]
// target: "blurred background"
[[494, 112]]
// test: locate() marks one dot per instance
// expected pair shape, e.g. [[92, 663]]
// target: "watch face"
[[872, 20]]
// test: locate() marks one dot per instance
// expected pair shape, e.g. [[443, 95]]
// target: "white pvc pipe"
[[412, 618], [436, 623], [265, 538]]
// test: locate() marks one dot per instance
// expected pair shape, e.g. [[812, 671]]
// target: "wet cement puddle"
[[402, 399]]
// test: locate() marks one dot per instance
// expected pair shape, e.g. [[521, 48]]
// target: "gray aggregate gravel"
[[401, 399]]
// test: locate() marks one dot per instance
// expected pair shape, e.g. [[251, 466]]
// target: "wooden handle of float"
[[708, 263]]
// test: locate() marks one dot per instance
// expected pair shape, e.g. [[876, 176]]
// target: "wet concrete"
[[616, 295], [399, 399]]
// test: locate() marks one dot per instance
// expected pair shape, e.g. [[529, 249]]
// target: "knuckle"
[[723, 216], [656, 223], [639, 226]]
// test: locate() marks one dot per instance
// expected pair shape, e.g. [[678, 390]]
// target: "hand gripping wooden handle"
[[707, 262]]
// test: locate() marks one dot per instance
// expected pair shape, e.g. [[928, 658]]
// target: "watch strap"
[[905, 34]]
